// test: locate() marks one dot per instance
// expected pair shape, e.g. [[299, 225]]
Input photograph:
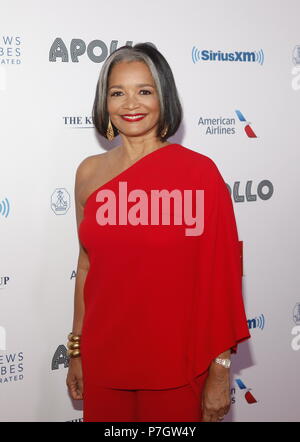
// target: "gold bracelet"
[[73, 345], [72, 337]]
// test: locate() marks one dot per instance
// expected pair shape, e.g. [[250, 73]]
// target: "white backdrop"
[[46, 99]]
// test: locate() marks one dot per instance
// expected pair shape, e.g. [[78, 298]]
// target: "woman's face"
[[132, 99]]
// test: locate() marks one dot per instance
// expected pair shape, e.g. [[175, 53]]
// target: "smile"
[[135, 117]]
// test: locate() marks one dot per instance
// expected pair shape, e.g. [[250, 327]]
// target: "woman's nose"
[[131, 102]]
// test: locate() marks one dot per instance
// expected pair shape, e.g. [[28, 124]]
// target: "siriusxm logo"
[[237, 56], [4, 207], [258, 322]]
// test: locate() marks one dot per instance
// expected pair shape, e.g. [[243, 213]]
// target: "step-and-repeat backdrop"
[[237, 69]]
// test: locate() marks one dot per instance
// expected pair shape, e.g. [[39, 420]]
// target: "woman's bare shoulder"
[[88, 164], [91, 171]]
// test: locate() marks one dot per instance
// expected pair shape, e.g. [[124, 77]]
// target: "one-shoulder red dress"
[[160, 304]]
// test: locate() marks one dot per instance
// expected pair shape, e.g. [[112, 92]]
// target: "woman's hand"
[[216, 396], [74, 379]]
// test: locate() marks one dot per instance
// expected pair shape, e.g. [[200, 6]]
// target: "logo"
[[237, 56], [247, 128], [78, 122], [96, 50], [60, 357], [247, 193], [225, 125], [218, 126], [258, 322], [4, 207], [248, 396], [60, 201]]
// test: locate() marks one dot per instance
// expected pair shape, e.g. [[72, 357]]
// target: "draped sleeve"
[[218, 317]]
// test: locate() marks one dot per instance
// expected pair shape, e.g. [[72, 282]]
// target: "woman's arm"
[[82, 269], [216, 399], [219, 370], [83, 260], [74, 379]]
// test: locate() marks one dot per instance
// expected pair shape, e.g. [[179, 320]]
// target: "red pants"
[[181, 404]]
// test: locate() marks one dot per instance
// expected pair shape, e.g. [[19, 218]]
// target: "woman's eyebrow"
[[119, 86]]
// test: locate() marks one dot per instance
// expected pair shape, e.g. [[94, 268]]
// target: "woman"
[[158, 304]]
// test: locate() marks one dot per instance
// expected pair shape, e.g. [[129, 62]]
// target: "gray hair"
[[170, 106]]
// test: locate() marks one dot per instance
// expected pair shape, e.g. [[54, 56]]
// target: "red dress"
[[160, 305]]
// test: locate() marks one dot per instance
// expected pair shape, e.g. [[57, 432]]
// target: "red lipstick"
[[133, 117]]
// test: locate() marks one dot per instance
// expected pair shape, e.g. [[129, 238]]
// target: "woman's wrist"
[[217, 370], [73, 345]]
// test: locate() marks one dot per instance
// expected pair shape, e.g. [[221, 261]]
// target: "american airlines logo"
[[226, 125]]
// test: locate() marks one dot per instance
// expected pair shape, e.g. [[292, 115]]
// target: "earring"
[[110, 131], [163, 133]]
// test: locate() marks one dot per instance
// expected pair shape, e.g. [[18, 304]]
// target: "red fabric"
[[170, 405], [160, 305]]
